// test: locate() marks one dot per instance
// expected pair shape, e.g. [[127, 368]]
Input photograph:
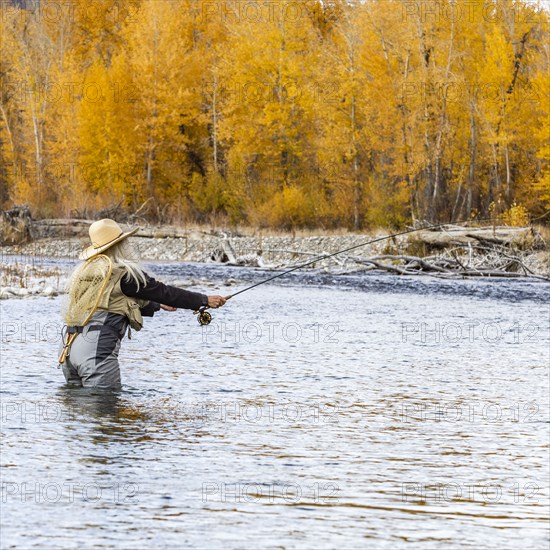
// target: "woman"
[[127, 294]]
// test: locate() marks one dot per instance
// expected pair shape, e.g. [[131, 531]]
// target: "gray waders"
[[93, 356]]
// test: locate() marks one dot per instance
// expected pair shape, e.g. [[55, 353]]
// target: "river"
[[318, 411]]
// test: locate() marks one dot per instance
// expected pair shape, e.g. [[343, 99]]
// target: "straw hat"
[[104, 234]]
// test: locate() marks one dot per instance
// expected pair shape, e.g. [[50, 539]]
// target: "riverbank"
[[496, 251]]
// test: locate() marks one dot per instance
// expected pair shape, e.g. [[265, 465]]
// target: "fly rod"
[[204, 317]]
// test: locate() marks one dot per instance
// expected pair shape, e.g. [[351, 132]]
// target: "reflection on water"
[[106, 413], [340, 414]]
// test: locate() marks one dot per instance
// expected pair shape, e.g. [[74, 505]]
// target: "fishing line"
[[204, 317]]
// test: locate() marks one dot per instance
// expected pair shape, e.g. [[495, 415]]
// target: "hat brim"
[[92, 251]]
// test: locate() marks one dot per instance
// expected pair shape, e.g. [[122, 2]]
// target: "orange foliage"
[[300, 114]]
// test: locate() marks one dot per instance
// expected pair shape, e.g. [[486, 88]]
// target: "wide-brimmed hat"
[[104, 234]]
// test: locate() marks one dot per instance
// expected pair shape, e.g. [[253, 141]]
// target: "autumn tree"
[[311, 113]]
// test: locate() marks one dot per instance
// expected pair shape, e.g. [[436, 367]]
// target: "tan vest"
[[115, 301]]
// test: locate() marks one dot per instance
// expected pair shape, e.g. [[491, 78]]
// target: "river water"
[[359, 411]]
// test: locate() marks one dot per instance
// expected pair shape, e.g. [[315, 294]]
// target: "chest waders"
[[95, 287]]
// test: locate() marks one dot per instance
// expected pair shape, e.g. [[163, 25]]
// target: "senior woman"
[[121, 295]]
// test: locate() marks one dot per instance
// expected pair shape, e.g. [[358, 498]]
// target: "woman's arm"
[[164, 294]]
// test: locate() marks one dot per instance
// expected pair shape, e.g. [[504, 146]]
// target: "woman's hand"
[[216, 301], [167, 308]]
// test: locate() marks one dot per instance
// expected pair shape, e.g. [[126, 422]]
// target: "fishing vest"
[[115, 301]]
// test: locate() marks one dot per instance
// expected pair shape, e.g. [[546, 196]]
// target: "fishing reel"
[[204, 318]]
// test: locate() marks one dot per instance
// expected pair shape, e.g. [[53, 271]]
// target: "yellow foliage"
[[302, 114], [288, 208], [388, 205], [516, 216]]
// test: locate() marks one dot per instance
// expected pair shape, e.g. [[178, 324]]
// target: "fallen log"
[[421, 262], [61, 228], [488, 265], [453, 236], [66, 228]]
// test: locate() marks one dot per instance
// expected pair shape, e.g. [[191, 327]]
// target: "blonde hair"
[[124, 254]]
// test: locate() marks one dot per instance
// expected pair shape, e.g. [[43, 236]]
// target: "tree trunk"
[[215, 121], [151, 145], [508, 175], [442, 123], [472, 168]]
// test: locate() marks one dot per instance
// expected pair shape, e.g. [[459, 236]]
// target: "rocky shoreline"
[[23, 273], [241, 250]]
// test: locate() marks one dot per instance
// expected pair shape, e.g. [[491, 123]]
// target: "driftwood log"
[[477, 261], [64, 228], [456, 235]]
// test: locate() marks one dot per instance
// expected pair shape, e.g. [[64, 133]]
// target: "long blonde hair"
[[125, 254]]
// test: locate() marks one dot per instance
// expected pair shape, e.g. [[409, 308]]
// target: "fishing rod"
[[204, 317]]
